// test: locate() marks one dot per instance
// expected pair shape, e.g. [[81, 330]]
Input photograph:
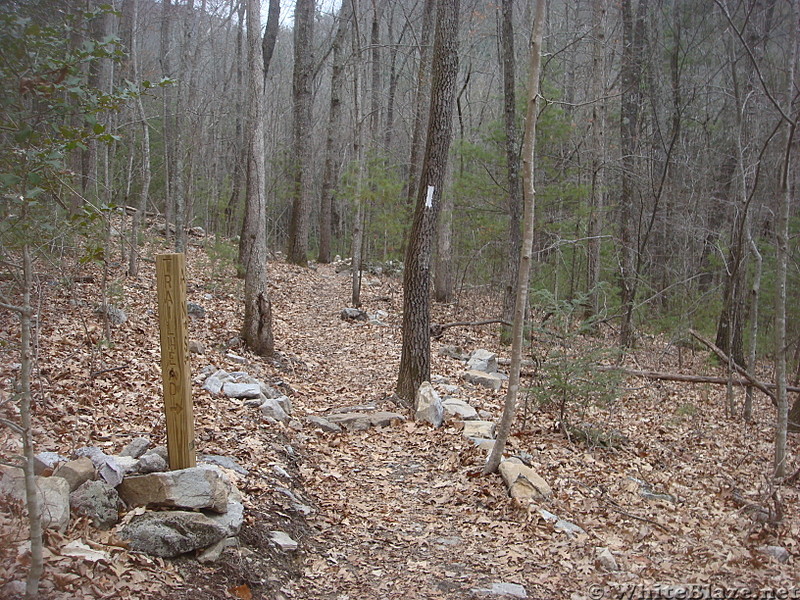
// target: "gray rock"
[[428, 405], [116, 316], [353, 314], [456, 352], [236, 358], [223, 461], [283, 541], [779, 553], [523, 482], [136, 447], [13, 589], [483, 443], [271, 409], [98, 501], [152, 463], [195, 310], [268, 391], [76, 472], [204, 486], [361, 421], [54, 497], [214, 552], [482, 360], [509, 590], [560, 524], [478, 429], [106, 466], [196, 347], [231, 520], [171, 533], [45, 462], [323, 424], [605, 560], [454, 407], [241, 390], [488, 380], [128, 464], [285, 402], [214, 382]]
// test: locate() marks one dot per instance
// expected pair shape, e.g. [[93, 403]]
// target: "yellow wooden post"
[[175, 372]]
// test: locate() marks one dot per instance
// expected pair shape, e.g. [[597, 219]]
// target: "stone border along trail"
[[399, 513]]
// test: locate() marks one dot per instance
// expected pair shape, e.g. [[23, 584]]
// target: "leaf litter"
[[402, 511]]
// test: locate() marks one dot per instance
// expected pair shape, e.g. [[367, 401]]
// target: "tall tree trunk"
[[238, 176], [167, 70], [443, 273], [598, 158], [508, 66], [631, 74], [526, 252], [141, 208], [415, 355], [257, 324], [302, 80], [332, 159], [357, 241], [421, 101]]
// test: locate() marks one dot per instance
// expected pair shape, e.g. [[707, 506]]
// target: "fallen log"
[[437, 329]]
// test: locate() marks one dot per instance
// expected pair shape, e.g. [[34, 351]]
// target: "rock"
[[241, 390], [454, 407], [283, 541], [488, 380], [196, 347], [77, 549], [136, 447], [605, 560], [152, 463], [213, 384], [428, 405], [323, 424], [448, 388], [128, 464], [54, 496], [195, 310], [204, 486], [107, 467], [76, 472], [12, 589], [197, 231], [482, 360], [561, 524], [353, 314], [160, 451], [456, 352], [171, 533], [271, 409], [509, 590], [483, 443], [212, 553], [478, 429], [285, 402], [523, 482], [361, 421], [236, 358], [231, 520], [779, 553], [45, 463], [223, 461], [98, 501]]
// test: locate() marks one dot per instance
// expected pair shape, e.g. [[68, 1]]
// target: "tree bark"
[[526, 253], [257, 324], [302, 79], [415, 355], [508, 67]]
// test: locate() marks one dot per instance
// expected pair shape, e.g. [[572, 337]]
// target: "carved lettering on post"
[[175, 371]]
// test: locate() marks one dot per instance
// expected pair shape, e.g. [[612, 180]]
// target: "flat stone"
[[231, 520], [428, 405], [361, 421], [136, 447], [523, 482], [605, 560], [560, 524], [213, 384], [323, 424], [54, 497], [214, 552], [454, 407], [241, 390], [204, 486], [128, 464], [487, 380], [272, 409], [76, 472], [45, 463], [483, 443], [478, 429], [223, 461], [152, 463], [353, 314], [171, 533], [283, 541], [509, 590]]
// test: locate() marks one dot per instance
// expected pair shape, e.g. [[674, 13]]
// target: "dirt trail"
[[393, 519]]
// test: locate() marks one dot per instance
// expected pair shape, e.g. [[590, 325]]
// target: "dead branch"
[[438, 329]]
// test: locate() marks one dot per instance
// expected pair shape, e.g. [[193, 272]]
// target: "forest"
[[602, 193]]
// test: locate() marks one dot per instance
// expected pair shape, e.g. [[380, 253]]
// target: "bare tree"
[[415, 357]]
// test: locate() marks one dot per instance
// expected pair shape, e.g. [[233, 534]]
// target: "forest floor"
[[401, 511]]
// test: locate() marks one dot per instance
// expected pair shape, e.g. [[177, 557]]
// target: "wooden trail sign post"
[[175, 373]]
